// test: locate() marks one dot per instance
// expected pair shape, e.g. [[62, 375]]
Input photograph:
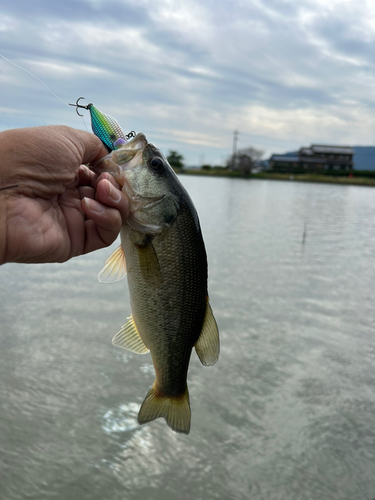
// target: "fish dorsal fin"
[[129, 338], [208, 345], [114, 268], [149, 264]]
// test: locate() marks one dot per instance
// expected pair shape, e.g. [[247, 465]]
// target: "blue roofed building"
[[316, 158]]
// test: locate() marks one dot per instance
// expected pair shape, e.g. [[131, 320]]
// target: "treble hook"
[[130, 134], [80, 105]]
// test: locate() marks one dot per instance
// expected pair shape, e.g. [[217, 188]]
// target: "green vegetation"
[[214, 171], [324, 173], [175, 160], [335, 179]]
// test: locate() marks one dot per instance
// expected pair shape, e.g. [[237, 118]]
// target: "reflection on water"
[[288, 412], [121, 419]]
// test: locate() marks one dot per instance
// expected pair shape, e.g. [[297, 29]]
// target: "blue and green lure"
[[105, 127]]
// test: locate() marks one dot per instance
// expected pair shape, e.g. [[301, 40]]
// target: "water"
[[287, 413]]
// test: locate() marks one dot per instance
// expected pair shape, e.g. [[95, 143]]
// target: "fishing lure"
[[105, 127]]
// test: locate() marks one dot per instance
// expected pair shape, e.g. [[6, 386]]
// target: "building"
[[316, 158]]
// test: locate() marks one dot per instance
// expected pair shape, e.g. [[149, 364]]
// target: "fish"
[[163, 254]]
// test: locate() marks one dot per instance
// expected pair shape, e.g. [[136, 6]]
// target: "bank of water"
[[355, 179]]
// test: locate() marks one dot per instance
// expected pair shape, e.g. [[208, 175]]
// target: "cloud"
[[285, 73]]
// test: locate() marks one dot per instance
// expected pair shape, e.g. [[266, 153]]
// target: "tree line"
[[243, 160]]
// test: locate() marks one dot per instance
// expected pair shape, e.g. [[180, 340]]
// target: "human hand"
[[59, 209]]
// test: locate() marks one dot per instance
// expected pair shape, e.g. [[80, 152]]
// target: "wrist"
[[6, 189]]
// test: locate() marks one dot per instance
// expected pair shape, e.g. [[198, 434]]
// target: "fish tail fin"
[[175, 410]]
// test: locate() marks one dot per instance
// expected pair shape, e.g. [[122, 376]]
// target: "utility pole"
[[202, 160], [235, 139]]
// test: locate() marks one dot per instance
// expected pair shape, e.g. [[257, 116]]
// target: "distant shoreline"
[[326, 179]]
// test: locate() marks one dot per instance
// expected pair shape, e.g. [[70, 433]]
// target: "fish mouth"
[[126, 157], [137, 142]]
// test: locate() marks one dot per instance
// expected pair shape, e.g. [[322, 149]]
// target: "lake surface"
[[288, 412]]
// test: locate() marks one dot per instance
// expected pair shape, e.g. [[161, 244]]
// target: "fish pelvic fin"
[[114, 268], [208, 344], [175, 410], [128, 338]]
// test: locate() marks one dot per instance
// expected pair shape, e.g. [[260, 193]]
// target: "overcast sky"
[[188, 73]]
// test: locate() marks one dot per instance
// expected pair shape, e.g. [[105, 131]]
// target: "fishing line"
[[32, 74], [84, 123], [41, 81], [9, 187]]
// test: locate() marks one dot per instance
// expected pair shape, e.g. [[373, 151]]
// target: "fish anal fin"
[[175, 410], [129, 338], [114, 268], [208, 344], [149, 264]]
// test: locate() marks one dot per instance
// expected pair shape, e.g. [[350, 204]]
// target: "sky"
[[284, 73]]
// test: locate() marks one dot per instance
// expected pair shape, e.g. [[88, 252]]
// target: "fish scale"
[[185, 304]]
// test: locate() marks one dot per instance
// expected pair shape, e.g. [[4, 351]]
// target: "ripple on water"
[[121, 419], [287, 412]]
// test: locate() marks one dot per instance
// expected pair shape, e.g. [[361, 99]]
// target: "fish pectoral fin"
[[114, 268], [175, 410], [149, 264], [208, 344], [129, 338]]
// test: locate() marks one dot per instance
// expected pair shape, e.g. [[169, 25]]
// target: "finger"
[[103, 227], [93, 239], [86, 192], [108, 177], [87, 177], [108, 194], [74, 184], [92, 148]]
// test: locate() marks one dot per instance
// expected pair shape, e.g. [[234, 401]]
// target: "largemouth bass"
[[166, 265], [163, 253]]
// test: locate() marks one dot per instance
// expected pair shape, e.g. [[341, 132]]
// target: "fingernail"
[[114, 193], [94, 205]]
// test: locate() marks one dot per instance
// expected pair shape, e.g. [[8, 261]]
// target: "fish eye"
[[156, 164]]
